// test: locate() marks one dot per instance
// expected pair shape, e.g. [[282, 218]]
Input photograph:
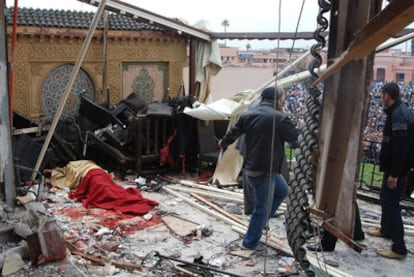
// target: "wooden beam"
[[344, 107], [337, 233]]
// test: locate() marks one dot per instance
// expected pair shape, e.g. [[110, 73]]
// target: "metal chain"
[[298, 224]]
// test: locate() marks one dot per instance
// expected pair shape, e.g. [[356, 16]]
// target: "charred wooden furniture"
[[151, 134], [138, 149]]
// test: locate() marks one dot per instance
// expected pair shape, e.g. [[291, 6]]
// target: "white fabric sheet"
[[220, 109]]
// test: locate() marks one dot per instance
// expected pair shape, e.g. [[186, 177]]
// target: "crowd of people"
[[295, 106]]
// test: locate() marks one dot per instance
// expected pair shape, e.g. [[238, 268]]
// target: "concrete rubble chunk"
[[12, 263], [23, 230], [22, 249]]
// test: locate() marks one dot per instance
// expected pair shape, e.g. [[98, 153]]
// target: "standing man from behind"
[[265, 129], [394, 165]]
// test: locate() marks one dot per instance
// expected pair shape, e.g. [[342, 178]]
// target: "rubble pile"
[[194, 231], [173, 239]]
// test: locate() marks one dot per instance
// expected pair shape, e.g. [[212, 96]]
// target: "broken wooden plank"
[[220, 210], [101, 261], [337, 233], [30, 130], [222, 196], [181, 227]]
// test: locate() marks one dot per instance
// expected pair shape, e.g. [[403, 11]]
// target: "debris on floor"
[[195, 230]]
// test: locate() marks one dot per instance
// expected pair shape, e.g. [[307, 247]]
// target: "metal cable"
[[271, 188], [296, 30]]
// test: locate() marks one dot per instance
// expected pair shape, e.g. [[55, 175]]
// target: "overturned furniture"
[[134, 141]]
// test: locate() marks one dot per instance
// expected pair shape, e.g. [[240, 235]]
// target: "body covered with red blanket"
[[98, 190]]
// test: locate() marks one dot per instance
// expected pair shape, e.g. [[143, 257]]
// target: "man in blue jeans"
[[394, 163], [266, 130]]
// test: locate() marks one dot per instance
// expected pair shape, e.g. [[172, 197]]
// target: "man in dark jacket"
[[393, 163], [248, 193], [266, 130]]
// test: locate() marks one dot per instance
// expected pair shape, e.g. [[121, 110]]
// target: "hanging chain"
[[298, 224]]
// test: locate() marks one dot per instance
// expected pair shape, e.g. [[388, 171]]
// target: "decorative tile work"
[[146, 79], [54, 87]]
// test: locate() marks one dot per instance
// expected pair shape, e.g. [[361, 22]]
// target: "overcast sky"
[[243, 16]]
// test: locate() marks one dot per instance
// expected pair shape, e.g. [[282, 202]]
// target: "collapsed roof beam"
[[151, 18], [264, 35], [281, 35]]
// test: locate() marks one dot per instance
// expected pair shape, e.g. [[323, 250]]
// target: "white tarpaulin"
[[220, 109]]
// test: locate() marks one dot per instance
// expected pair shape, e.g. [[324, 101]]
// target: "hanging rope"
[[296, 30], [270, 186]]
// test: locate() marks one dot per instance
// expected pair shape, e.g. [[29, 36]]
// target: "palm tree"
[[225, 24]]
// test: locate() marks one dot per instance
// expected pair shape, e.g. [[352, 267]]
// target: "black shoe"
[[359, 237], [259, 248], [317, 247]]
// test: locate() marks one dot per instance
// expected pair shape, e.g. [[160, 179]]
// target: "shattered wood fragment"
[[186, 272], [73, 249], [101, 261], [127, 266]]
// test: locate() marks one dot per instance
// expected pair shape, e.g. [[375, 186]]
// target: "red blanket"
[[98, 190]]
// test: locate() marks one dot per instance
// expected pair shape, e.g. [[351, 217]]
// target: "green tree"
[[225, 24], [248, 47]]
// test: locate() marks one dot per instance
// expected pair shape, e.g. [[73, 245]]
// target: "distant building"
[[229, 55], [233, 56], [393, 65], [390, 65]]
